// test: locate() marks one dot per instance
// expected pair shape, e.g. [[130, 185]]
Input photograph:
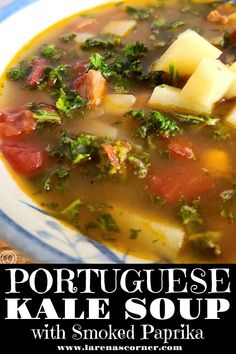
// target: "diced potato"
[[186, 52], [231, 93], [119, 103], [217, 162], [120, 28], [82, 37], [209, 83], [231, 117], [99, 128], [168, 97], [156, 238]]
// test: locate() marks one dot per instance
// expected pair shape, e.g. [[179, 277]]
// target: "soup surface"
[[152, 177]]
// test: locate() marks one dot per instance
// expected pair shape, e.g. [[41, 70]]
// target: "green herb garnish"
[[51, 52], [139, 14], [43, 116], [107, 223]]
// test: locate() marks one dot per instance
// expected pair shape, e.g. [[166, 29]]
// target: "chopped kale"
[[107, 223], [106, 41], [57, 76], [60, 173], [134, 50], [55, 153], [19, 72], [72, 211], [140, 167], [206, 242], [97, 62], [155, 122], [190, 213], [134, 234], [43, 116], [139, 14], [221, 133], [51, 52], [68, 37], [197, 119], [81, 148], [68, 101], [177, 24]]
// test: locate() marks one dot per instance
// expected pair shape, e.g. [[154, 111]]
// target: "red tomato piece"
[[181, 148], [176, 182], [39, 66], [14, 123], [23, 159], [92, 86]]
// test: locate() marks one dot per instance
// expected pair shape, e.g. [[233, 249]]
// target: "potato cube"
[[170, 98], [209, 83], [119, 103], [231, 93], [120, 28], [82, 37], [99, 128], [156, 239], [186, 52]]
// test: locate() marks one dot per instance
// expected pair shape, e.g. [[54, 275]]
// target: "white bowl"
[[22, 223]]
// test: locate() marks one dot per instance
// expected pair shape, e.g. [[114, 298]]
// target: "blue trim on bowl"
[[28, 242], [13, 7]]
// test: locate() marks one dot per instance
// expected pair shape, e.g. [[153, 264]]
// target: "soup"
[[121, 122]]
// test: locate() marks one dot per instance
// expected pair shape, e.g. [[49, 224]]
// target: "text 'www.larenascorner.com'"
[[131, 348]]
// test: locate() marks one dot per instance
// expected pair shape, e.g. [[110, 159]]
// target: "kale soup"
[[120, 121]]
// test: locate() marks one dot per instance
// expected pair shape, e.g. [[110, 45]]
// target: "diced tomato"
[[85, 22], [14, 123], [39, 66], [81, 67], [181, 148], [92, 86], [178, 181], [23, 159]]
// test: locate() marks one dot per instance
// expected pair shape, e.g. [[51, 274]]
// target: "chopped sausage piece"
[[216, 17], [92, 86], [16, 122], [38, 67], [81, 67]]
